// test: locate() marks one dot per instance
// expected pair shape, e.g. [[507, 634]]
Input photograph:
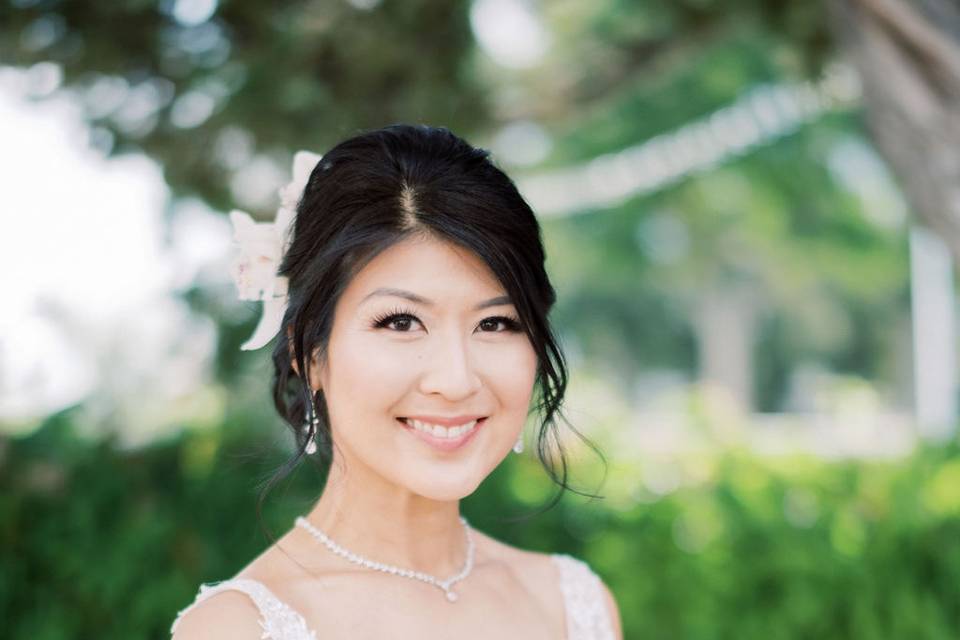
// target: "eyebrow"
[[412, 297]]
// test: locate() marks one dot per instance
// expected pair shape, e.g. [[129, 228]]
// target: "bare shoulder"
[[545, 575], [228, 614], [522, 560], [534, 569]]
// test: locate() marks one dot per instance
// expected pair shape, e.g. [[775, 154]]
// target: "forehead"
[[433, 268]]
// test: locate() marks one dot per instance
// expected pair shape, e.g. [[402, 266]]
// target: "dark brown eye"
[[510, 324], [401, 322]]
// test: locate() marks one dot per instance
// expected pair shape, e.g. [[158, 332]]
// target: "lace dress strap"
[[587, 616], [278, 620]]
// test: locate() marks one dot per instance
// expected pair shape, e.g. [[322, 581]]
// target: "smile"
[[444, 438]]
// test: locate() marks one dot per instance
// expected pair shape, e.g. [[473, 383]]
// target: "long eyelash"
[[381, 321], [512, 324]]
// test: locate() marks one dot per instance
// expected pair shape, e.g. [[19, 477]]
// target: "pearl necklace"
[[379, 566]]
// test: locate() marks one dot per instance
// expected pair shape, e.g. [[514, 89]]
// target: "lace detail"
[[587, 617], [586, 612], [278, 620]]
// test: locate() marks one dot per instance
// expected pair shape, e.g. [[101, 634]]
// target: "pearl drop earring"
[[518, 448], [311, 426]]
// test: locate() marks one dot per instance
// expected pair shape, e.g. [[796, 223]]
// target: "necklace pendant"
[[356, 559]]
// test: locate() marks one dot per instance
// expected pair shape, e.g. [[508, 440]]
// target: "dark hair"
[[373, 190]]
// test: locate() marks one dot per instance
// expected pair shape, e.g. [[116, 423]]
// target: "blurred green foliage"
[[291, 75], [100, 543], [307, 74], [778, 222]]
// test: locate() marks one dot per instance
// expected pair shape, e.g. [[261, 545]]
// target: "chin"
[[448, 491]]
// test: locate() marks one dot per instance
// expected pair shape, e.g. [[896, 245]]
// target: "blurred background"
[[752, 219]]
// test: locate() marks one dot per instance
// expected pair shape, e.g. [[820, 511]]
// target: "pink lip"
[[445, 444]]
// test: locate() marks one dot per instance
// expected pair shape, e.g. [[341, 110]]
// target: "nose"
[[449, 370]]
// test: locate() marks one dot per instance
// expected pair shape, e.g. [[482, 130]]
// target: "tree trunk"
[[908, 58]]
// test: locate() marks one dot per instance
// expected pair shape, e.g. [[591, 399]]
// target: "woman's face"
[[426, 330]]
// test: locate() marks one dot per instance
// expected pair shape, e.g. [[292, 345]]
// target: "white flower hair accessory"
[[262, 246]]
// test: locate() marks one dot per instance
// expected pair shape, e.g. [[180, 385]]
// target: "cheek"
[[511, 372], [366, 370], [364, 381]]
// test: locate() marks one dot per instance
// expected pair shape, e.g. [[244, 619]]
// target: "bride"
[[405, 274]]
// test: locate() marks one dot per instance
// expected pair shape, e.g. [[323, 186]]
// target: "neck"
[[390, 524]]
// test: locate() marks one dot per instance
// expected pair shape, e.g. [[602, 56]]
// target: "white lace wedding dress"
[[586, 612]]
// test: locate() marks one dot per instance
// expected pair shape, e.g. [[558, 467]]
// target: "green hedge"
[[101, 543]]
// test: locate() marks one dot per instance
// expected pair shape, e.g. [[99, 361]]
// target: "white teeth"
[[442, 432]]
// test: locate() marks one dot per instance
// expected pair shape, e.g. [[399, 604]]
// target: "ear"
[[314, 365]]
